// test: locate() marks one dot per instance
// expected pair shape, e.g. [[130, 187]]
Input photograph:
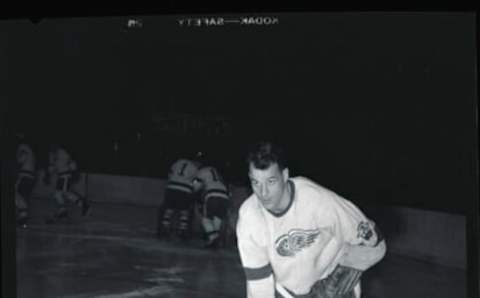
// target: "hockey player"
[[299, 239], [65, 169], [175, 214], [214, 198], [25, 181]]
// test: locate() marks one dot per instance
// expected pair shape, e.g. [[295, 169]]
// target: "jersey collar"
[[292, 196]]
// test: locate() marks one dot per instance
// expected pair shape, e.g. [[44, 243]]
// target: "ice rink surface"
[[113, 253]]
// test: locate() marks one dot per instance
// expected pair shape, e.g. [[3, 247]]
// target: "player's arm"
[[173, 169], [354, 254], [189, 170], [365, 245], [366, 254], [332, 248], [358, 257], [255, 262]]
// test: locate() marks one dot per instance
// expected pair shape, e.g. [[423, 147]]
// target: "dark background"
[[380, 107]]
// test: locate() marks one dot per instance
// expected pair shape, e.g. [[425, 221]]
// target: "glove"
[[347, 279], [339, 284]]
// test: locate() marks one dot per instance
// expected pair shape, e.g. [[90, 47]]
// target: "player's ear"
[[285, 174]]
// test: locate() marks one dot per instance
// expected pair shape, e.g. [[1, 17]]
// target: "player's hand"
[[339, 284], [348, 279]]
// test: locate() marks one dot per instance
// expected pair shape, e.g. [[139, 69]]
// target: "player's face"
[[270, 186]]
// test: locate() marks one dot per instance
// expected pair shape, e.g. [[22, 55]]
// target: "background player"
[[65, 169], [25, 180], [214, 197], [175, 214]]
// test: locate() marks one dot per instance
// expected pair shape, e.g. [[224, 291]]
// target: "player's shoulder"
[[312, 191], [181, 161], [206, 170], [308, 185], [250, 218], [249, 208]]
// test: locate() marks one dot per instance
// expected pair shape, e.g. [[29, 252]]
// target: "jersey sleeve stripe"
[[180, 186], [216, 193], [258, 273]]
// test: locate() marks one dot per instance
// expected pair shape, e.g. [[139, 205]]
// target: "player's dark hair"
[[265, 153]]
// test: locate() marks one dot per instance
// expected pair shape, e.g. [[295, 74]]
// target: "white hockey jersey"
[[61, 162], [214, 184], [181, 175], [305, 243]]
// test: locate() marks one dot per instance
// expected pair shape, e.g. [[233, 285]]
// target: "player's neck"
[[286, 200]]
